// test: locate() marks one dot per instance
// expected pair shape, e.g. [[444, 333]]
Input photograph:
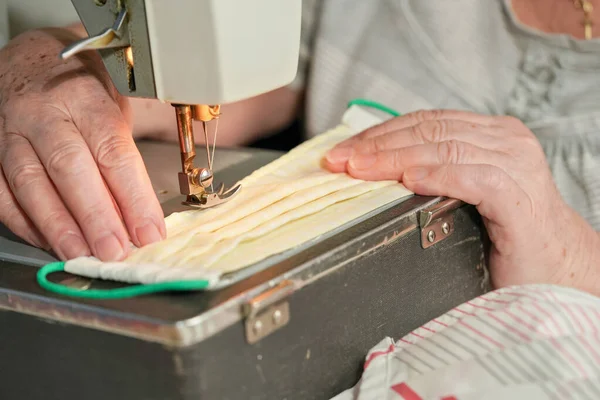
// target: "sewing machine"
[[296, 325], [194, 55]]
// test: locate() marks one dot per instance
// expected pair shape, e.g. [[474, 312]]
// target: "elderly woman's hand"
[[496, 164], [71, 177]]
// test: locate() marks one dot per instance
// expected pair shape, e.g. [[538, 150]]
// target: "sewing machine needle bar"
[[186, 136]]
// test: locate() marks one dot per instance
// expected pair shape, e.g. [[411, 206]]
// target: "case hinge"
[[268, 312], [437, 222]]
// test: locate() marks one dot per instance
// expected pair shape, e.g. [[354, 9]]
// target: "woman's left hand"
[[496, 164]]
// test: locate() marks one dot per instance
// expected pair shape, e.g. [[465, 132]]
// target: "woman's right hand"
[[72, 179]]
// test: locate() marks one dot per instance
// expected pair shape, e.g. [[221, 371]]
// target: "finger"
[[426, 132], [388, 165], [496, 195], [109, 138], [73, 171], [37, 196], [13, 217], [418, 117]]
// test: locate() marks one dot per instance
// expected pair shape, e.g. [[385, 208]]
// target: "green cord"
[[375, 105], [110, 294], [140, 290]]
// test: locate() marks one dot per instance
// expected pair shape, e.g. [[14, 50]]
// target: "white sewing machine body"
[[198, 51], [195, 55]]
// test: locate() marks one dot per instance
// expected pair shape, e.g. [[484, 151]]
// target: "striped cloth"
[[461, 54], [528, 342]]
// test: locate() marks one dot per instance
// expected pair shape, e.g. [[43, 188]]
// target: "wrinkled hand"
[[72, 177], [496, 164]]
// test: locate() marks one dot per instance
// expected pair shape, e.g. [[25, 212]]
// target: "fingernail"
[[339, 155], [109, 248], [147, 234], [416, 174], [362, 161], [73, 246]]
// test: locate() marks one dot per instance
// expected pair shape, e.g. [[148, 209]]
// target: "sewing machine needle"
[[212, 161], [208, 158]]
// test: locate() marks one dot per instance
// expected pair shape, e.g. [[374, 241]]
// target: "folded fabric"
[[281, 206]]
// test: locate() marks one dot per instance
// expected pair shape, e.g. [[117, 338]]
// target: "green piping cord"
[[140, 290], [111, 294], [375, 105]]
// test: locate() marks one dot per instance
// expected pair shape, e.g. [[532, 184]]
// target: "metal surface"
[[96, 18], [265, 323], [268, 311], [109, 38], [197, 183], [437, 222], [162, 162]]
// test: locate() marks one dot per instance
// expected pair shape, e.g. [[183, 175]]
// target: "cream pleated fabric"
[[281, 206]]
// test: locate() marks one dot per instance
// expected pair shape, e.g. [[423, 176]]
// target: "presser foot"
[[210, 199]]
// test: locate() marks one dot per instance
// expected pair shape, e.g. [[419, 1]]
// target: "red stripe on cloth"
[[405, 391], [477, 306], [540, 309], [587, 318], [417, 335], [405, 341], [569, 357], [597, 335], [377, 354], [590, 349], [530, 315], [520, 321], [427, 329], [511, 328], [495, 300], [448, 398], [555, 342], [483, 335], [465, 312], [569, 311], [523, 295], [441, 323]]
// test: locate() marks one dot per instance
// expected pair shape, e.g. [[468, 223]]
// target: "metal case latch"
[[268, 311], [437, 221]]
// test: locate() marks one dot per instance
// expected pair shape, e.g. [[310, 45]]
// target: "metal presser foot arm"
[[197, 183]]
